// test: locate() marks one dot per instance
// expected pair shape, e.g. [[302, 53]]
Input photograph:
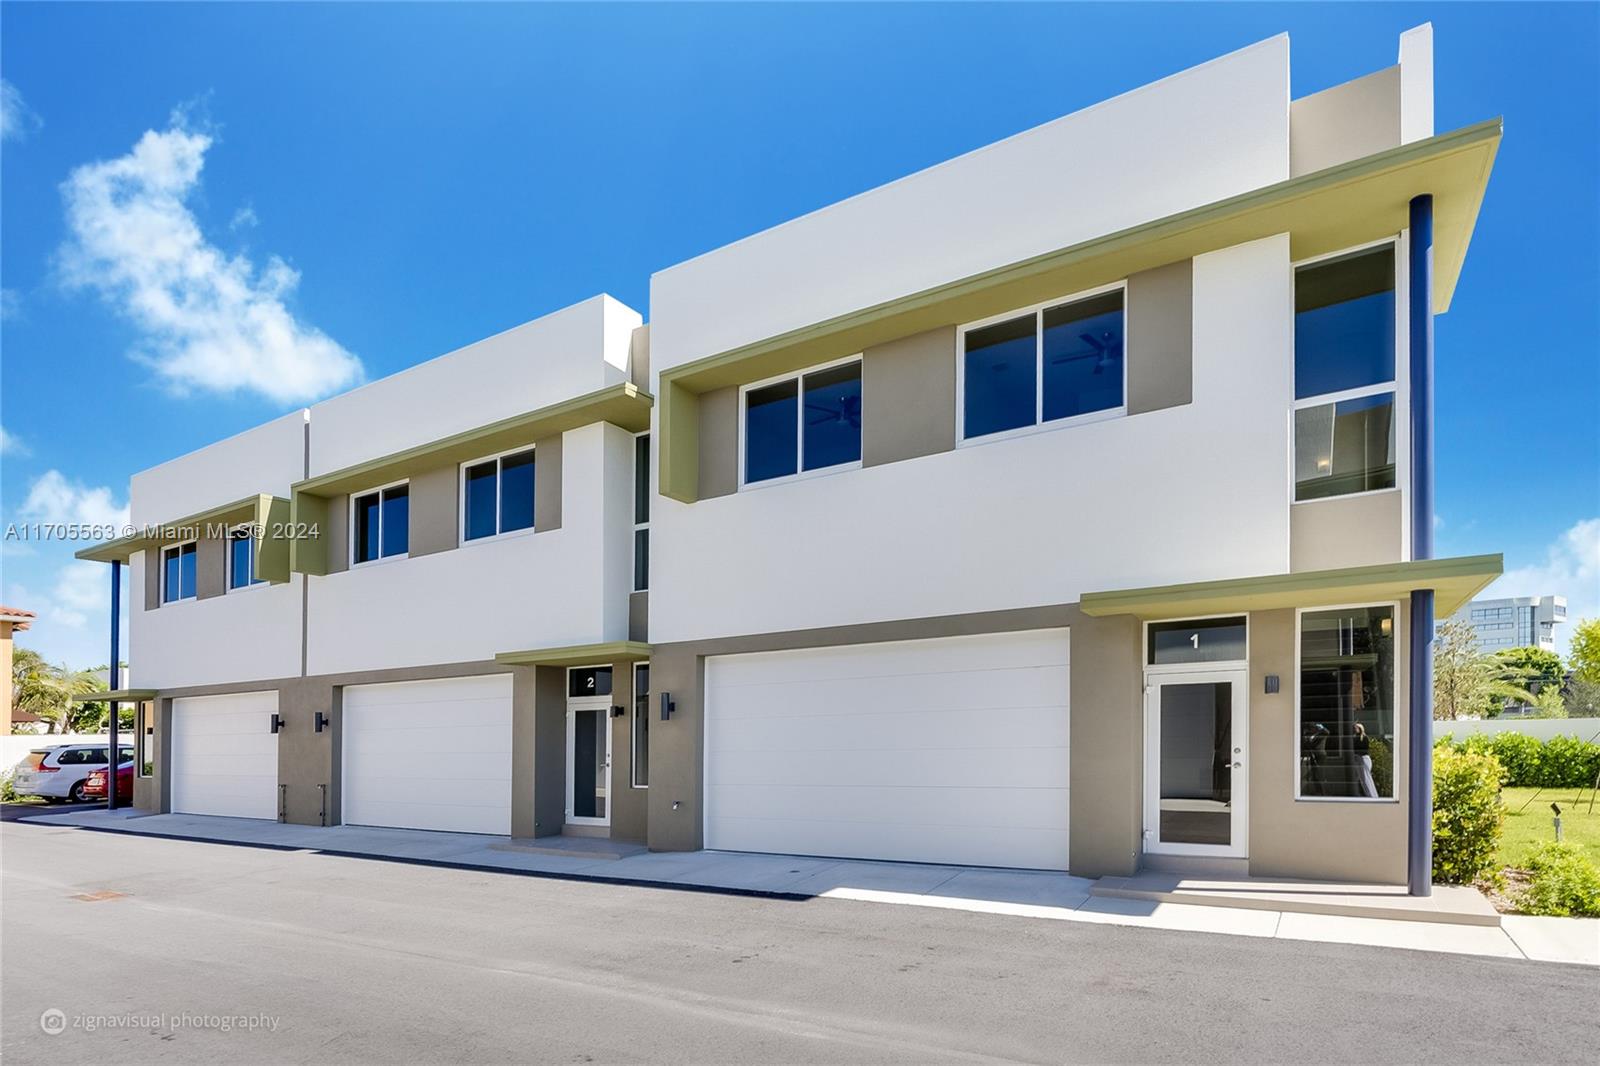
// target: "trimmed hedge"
[[1560, 762], [1467, 815]]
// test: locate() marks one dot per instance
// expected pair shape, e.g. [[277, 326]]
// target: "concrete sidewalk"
[[1017, 893]]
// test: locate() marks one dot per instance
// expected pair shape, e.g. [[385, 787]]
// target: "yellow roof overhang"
[[121, 695], [1339, 207], [1453, 581], [623, 405], [617, 651], [269, 514]]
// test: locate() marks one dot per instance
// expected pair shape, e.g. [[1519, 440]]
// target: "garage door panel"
[[943, 750], [997, 846], [895, 768], [224, 757], [907, 730], [429, 754], [952, 690], [910, 658]]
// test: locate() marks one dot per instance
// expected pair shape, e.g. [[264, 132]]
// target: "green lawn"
[[1534, 826]]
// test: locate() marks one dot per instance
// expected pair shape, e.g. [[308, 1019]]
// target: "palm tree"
[[47, 690]]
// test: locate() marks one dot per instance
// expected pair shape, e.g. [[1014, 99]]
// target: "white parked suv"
[[58, 772]]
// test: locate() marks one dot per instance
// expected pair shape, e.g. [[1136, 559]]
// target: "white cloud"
[[1571, 568], [17, 119], [210, 321], [55, 498], [10, 304], [11, 445], [243, 218]]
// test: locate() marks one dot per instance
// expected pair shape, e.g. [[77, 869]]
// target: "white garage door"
[[225, 755], [951, 750], [429, 755]]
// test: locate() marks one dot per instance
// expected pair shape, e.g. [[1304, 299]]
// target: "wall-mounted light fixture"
[[667, 706], [277, 723], [321, 721], [1272, 684], [618, 712]]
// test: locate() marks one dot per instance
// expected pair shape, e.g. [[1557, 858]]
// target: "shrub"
[[1467, 816], [1382, 767], [1563, 761], [8, 789], [1519, 755], [1567, 762], [1563, 882]]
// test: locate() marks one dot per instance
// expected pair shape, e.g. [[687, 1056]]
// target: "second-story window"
[[382, 524], [178, 573], [641, 512], [241, 560], [497, 495], [811, 421], [1344, 375], [1056, 362]]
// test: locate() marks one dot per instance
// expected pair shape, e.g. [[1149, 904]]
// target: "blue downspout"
[[116, 658], [1419, 845]]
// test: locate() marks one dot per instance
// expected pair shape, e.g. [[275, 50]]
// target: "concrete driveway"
[[148, 948]]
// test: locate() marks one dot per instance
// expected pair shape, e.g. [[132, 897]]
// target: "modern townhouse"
[[1067, 505]]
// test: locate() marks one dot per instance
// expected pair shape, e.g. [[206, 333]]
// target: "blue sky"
[[406, 179]]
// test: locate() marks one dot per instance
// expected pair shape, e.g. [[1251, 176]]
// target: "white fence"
[[1543, 728]]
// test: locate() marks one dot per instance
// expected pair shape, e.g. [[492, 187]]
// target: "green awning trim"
[[617, 651], [1339, 207], [1453, 581], [270, 514], [624, 405], [121, 695]]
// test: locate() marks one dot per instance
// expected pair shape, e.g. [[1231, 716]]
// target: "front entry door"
[[589, 746], [1196, 794]]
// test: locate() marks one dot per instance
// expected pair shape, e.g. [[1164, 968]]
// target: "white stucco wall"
[[507, 594], [1185, 494], [248, 635], [563, 355], [268, 458], [1201, 135]]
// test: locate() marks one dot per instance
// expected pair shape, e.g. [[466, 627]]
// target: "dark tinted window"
[[396, 520], [641, 479], [480, 505], [1083, 357], [1344, 323], [770, 435], [832, 417], [1347, 703], [241, 561], [366, 533], [172, 587], [1344, 447], [1206, 640], [589, 681], [641, 560], [641, 726], [1001, 375], [186, 569], [516, 492]]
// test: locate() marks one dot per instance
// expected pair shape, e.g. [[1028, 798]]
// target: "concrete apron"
[[1371, 915]]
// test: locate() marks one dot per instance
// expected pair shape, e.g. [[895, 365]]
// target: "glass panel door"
[[1195, 782], [589, 763]]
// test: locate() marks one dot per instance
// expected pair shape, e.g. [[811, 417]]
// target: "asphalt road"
[[10, 812], [351, 960]]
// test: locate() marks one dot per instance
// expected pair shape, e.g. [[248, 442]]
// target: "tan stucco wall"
[[719, 443], [5, 661], [210, 567], [639, 357], [1107, 746], [639, 616], [338, 534], [547, 483], [1345, 122], [435, 518], [550, 750], [152, 578], [1316, 839], [629, 806], [908, 397], [1345, 531], [1160, 342], [147, 790]]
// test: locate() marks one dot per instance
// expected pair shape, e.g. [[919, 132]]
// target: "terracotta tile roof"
[[18, 618]]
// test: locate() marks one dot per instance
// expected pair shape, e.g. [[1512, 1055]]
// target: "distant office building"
[[1520, 622]]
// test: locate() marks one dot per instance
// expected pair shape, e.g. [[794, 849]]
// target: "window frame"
[[797, 376], [1398, 385], [1397, 761], [255, 547], [377, 490], [461, 496], [144, 764], [649, 507], [633, 726], [1039, 425], [178, 546]]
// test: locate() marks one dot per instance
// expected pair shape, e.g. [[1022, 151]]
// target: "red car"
[[94, 786]]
